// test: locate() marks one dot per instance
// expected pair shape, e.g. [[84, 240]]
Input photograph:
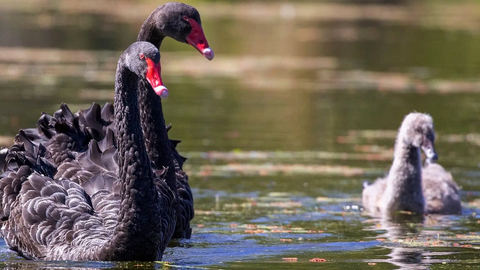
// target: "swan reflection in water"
[[407, 254]]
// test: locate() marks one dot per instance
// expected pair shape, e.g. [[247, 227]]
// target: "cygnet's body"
[[408, 187], [440, 191]]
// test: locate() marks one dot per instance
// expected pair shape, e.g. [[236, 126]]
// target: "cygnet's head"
[[417, 130]]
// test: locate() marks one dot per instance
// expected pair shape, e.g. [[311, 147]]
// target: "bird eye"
[[142, 56], [185, 18]]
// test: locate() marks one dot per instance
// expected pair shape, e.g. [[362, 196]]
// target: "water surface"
[[299, 107]]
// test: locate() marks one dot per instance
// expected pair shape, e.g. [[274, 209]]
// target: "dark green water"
[[281, 128]]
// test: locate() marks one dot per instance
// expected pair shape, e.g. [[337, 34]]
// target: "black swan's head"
[[143, 59], [417, 130], [182, 23]]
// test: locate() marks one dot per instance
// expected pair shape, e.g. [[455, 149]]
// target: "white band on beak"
[[208, 53], [162, 91]]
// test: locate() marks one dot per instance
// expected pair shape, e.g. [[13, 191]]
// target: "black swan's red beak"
[[197, 39], [155, 79]]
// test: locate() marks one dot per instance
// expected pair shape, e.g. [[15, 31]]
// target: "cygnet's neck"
[[404, 181]]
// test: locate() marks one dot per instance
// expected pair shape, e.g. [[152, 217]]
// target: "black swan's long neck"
[[155, 132], [138, 233], [151, 113], [150, 33]]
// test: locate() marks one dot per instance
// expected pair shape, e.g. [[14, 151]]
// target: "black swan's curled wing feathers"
[[67, 138], [66, 134], [56, 217], [42, 208], [26, 152], [46, 215], [96, 120]]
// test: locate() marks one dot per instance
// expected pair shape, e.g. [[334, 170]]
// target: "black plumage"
[[67, 135], [113, 211]]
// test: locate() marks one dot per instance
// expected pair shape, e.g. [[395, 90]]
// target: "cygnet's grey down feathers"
[[440, 190], [408, 186]]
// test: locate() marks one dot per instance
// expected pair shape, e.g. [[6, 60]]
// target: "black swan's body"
[[66, 135], [408, 186], [128, 214]]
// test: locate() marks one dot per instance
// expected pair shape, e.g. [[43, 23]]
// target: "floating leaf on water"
[[285, 240], [317, 260], [254, 231], [279, 194]]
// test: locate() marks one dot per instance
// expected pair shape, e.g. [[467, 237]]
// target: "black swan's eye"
[[142, 56], [185, 17]]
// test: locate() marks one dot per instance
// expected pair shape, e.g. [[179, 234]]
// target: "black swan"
[[111, 216], [66, 134], [408, 187]]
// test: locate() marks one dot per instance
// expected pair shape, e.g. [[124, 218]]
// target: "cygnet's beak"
[[430, 153]]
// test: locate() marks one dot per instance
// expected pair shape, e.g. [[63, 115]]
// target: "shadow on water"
[[300, 106]]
